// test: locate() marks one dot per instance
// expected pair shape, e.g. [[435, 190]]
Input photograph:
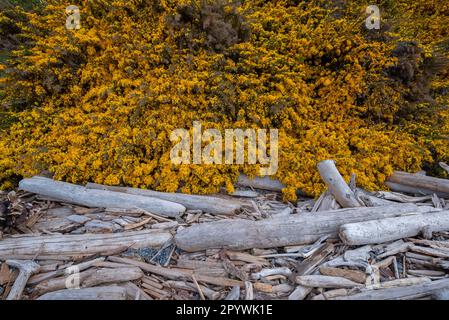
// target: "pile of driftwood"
[[63, 241]]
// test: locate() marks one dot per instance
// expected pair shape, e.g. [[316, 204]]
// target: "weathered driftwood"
[[265, 183], [331, 294], [207, 204], [96, 293], [80, 245], [56, 273], [353, 275], [418, 184], [444, 166], [400, 293], [384, 230], [337, 185], [319, 281], [294, 230], [64, 282], [134, 292], [71, 193], [26, 269], [112, 275], [183, 285]]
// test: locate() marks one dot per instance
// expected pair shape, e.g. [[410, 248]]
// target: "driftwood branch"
[[71, 193], [207, 204], [294, 230], [337, 185]]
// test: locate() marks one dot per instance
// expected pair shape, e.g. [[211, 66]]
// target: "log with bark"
[[80, 245], [389, 229], [207, 204], [269, 233], [79, 195]]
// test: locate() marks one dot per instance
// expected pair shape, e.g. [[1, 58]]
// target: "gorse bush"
[[98, 104]]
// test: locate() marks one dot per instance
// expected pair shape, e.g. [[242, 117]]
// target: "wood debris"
[[122, 243]]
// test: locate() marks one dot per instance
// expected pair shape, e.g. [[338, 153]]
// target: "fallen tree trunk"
[[337, 185], [294, 230], [417, 183], [400, 293], [389, 229], [96, 293], [71, 193], [80, 245], [204, 203]]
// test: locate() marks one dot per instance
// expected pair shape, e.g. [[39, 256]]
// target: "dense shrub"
[[98, 104]]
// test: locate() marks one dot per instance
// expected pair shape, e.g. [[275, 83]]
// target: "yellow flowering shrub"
[[98, 104]]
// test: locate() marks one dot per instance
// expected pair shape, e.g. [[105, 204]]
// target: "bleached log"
[[337, 185], [79, 195], [293, 230], [264, 183], [389, 229], [400, 293], [207, 204], [96, 293], [319, 281], [419, 184], [80, 245]]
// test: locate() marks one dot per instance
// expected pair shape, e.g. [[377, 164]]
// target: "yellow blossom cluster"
[[99, 103]]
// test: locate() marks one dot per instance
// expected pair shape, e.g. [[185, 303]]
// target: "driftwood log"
[[418, 184], [207, 204], [389, 229], [400, 293], [71, 193], [264, 183], [96, 293], [80, 245], [294, 230], [320, 281], [337, 185]]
